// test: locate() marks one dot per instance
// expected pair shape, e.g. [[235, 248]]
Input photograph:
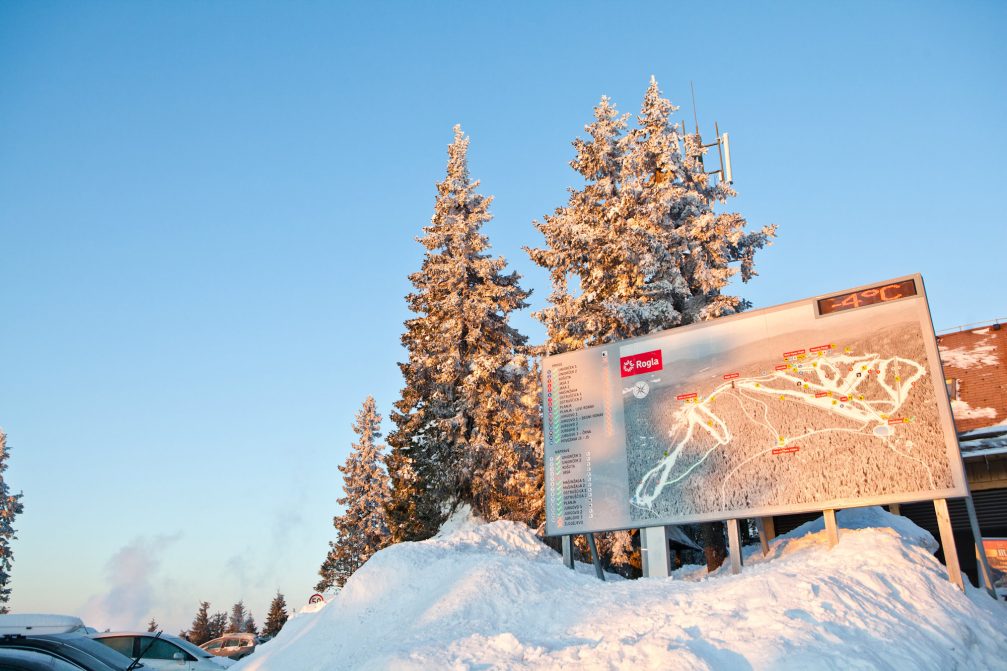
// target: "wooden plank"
[[991, 484], [769, 525], [734, 545], [948, 543], [595, 559], [566, 543], [831, 528], [982, 563], [654, 548], [763, 540]]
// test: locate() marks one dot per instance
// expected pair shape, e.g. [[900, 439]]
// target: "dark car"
[[12, 659], [77, 650]]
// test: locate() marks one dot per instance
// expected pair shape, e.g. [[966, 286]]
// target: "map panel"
[[779, 410]]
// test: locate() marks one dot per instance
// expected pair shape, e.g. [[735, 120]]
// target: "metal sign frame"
[[606, 414]]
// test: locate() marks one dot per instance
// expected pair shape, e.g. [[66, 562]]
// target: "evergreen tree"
[[461, 428], [249, 625], [236, 620], [201, 630], [153, 626], [218, 625], [639, 248], [10, 507], [276, 617], [363, 528]]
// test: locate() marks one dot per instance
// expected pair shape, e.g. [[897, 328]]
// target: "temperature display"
[[858, 299]]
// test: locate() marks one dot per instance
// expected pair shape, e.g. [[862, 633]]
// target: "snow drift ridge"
[[481, 596]]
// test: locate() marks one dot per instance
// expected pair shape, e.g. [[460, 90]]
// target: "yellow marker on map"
[[781, 397], [834, 401]]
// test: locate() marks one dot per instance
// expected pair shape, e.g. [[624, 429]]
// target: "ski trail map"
[[829, 402], [838, 410]]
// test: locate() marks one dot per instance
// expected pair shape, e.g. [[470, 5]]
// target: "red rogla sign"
[[635, 364]]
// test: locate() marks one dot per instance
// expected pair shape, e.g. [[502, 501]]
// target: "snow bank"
[[491, 596]]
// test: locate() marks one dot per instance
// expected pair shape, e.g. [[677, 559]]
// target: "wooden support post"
[[894, 509], [831, 528], [734, 545], [594, 558], [764, 538], [654, 548], [982, 563], [948, 543], [566, 543]]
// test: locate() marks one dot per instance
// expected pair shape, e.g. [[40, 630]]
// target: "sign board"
[[835, 401], [996, 554]]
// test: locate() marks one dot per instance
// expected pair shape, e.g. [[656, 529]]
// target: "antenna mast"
[[722, 143]]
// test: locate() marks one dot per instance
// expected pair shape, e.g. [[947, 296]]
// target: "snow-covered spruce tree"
[[462, 428], [153, 626], [218, 625], [639, 247], [201, 630], [236, 620], [249, 626], [363, 529], [10, 507], [276, 617]]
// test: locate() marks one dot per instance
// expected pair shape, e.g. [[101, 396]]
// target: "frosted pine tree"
[[10, 507], [201, 629], [276, 617], [218, 624], [462, 431], [153, 626], [249, 626], [363, 528], [586, 226], [236, 620], [639, 247]]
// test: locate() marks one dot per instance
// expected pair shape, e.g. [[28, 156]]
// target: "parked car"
[[55, 637], [233, 646], [14, 659], [162, 652]]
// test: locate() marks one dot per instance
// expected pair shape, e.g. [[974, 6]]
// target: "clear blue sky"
[[208, 211]]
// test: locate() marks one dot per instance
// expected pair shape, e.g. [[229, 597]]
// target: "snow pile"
[[491, 596]]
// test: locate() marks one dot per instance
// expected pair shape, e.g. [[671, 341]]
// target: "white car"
[[165, 652]]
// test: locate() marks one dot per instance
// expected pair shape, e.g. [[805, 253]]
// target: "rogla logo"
[[636, 364]]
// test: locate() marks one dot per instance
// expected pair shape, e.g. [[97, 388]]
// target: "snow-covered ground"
[[491, 596]]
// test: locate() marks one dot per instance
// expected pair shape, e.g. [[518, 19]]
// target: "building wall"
[[975, 361]]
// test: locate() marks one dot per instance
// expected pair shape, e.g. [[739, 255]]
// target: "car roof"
[[39, 623], [95, 655]]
